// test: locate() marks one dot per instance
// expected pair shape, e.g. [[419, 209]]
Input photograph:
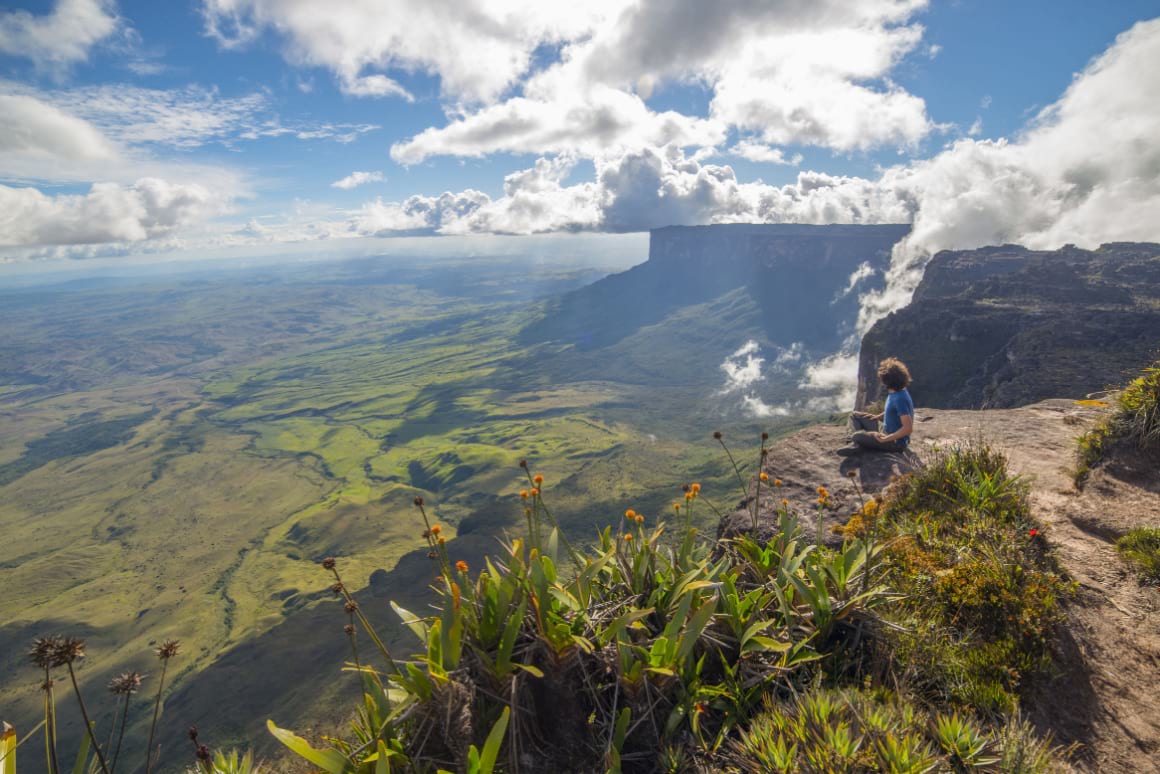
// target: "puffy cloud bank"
[[107, 213], [1085, 170], [60, 38]]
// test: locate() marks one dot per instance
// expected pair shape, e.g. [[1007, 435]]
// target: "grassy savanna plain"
[[179, 452]]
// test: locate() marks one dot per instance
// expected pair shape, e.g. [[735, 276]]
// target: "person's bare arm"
[[906, 429]]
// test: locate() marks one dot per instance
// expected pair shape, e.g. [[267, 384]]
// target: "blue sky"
[[617, 115]]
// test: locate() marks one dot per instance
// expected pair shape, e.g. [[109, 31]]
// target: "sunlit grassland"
[[279, 424]]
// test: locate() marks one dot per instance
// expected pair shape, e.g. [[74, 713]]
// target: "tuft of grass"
[[1141, 548], [1134, 421], [981, 592]]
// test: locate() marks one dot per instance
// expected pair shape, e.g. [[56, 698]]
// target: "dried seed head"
[[685, 487], [853, 474], [765, 436], [337, 588], [349, 629], [523, 463], [717, 435], [68, 650], [125, 683], [203, 753], [193, 733], [351, 606], [432, 555], [328, 563], [44, 650], [418, 501], [168, 649]]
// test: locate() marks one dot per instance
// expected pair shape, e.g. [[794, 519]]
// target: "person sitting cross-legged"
[[897, 416]]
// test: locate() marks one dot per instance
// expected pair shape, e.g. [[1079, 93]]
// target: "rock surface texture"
[[1006, 326], [1105, 696]]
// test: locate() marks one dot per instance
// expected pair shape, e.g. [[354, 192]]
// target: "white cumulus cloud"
[[355, 179], [62, 37], [148, 209]]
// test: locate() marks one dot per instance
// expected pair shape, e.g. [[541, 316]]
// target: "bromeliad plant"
[[636, 650]]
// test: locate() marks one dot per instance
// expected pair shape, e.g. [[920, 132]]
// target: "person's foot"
[[849, 451]]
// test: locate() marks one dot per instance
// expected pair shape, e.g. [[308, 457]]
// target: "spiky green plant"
[[1141, 548], [1135, 420]]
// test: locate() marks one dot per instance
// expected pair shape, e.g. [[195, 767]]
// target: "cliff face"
[[1006, 326], [794, 275]]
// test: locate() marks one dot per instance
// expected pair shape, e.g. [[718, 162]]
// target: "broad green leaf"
[[331, 761], [494, 741], [766, 644], [383, 764], [696, 626], [412, 622]]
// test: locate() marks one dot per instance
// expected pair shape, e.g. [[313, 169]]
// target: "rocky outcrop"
[[1007, 326], [1101, 696]]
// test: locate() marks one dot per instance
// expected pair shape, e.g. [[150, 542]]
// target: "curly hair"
[[894, 374]]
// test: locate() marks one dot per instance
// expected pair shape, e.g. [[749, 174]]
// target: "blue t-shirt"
[[898, 404]]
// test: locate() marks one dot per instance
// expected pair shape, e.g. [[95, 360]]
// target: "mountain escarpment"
[[1006, 326]]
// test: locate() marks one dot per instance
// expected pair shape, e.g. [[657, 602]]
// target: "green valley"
[[178, 467]]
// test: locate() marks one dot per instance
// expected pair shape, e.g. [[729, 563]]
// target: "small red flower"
[[1032, 533]]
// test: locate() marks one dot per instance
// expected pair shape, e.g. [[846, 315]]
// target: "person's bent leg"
[[868, 440], [861, 422]]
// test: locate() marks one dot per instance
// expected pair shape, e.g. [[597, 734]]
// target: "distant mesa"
[[792, 272], [706, 290], [1005, 326]]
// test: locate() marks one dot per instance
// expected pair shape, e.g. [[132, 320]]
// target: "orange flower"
[[442, 540], [630, 514], [535, 492], [823, 492], [764, 476], [688, 497], [524, 494], [784, 503], [676, 506], [461, 566], [436, 530], [537, 479], [777, 482], [639, 519], [695, 487], [628, 536]]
